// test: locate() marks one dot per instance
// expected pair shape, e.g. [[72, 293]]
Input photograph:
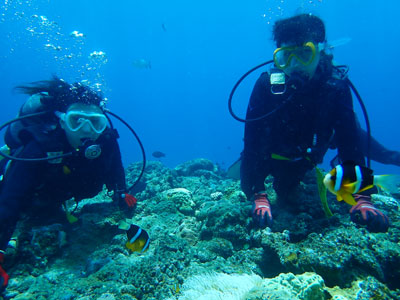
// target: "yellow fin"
[[388, 183], [339, 198], [348, 198], [137, 246], [365, 188], [349, 187], [71, 218], [322, 192]]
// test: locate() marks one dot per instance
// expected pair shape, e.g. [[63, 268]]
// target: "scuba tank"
[[37, 127]]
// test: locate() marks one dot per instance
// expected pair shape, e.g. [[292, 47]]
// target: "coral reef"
[[203, 243], [207, 286]]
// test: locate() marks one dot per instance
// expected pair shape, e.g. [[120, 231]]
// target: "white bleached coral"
[[182, 199], [216, 196], [221, 286], [218, 286]]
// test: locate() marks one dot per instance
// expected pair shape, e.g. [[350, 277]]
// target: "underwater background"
[[167, 67]]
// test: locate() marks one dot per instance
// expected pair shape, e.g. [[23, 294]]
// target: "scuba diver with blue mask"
[[61, 146], [298, 110]]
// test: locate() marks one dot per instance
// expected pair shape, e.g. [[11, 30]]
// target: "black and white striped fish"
[[348, 178]]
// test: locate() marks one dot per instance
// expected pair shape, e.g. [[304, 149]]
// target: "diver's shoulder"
[[337, 83], [264, 79], [265, 76], [109, 139], [110, 135]]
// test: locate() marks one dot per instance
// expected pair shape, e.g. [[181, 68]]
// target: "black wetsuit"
[[41, 187], [302, 126]]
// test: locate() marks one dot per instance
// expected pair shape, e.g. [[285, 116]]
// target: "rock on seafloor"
[[204, 246]]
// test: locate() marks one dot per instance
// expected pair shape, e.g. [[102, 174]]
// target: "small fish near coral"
[[348, 178], [176, 288], [138, 239]]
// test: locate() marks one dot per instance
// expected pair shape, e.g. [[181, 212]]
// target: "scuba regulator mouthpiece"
[[90, 149], [280, 81], [277, 80]]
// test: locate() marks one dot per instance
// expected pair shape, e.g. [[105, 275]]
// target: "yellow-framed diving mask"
[[304, 54]]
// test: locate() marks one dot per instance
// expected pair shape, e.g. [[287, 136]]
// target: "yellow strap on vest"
[[279, 157]]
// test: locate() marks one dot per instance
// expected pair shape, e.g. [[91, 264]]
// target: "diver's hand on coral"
[[129, 200], [3, 275], [261, 211], [365, 213], [125, 200]]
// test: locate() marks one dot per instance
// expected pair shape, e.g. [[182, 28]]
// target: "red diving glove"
[[262, 210], [3, 275], [365, 213], [129, 200], [125, 200]]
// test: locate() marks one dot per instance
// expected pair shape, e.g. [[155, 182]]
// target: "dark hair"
[[57, 94], [299, 29]]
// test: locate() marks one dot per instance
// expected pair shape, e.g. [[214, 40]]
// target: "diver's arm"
[[255, 139], [346, 129], [259, 105], [377, 151], [117, 183], [20, 180]]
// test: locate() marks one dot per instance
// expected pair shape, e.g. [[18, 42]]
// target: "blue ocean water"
[[197, 51]]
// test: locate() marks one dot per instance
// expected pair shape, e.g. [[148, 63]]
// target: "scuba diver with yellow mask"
[[298, 110], [61, 146]]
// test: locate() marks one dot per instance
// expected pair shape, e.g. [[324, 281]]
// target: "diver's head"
[[77, 106], [299, 42], [82, 122]]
